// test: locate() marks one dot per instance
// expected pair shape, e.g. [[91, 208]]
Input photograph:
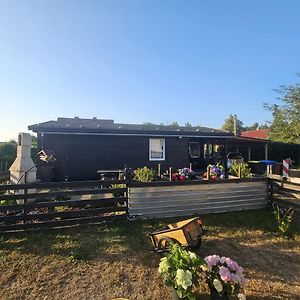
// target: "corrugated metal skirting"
[[186, 200]]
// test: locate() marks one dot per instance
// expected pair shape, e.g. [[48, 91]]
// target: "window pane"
[[157, 149], [194, 150]]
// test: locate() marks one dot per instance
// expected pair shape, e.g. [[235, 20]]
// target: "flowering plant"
[[224, 275], [216, 171], [179, 269], [183, 174]]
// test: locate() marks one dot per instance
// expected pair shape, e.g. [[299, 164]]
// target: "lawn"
[[114, 260]]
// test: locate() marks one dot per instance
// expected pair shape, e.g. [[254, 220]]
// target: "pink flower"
[[225, 274], [212, 260]]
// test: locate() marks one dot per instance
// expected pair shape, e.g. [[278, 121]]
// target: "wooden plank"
[[61, 215], [63, 184], [287, 186], [199, 200], [73, 203], [176, 194], [197, 212], [187, 206], [227, 186], [63, 194], [62, 223], [193, 182]]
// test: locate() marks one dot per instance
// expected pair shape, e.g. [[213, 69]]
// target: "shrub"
[[180, 270], [284, 218], [245, 170], [143, 174]]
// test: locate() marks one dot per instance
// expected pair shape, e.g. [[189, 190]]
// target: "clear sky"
[[137, 61]]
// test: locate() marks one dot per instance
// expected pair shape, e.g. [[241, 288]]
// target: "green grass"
[[89, 242]]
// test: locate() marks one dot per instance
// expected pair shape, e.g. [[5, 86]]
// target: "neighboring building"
[[83, 146], [262, 134]]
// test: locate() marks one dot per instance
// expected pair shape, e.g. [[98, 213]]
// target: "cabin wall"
[[79, 157]]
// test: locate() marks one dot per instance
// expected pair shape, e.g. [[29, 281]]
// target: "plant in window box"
[[180, 270], [184, 174], [143, 174], [215, 172]]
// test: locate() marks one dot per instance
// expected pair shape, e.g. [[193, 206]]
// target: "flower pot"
[[214, 295]]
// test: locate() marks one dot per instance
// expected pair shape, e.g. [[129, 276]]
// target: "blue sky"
[[138, 61]]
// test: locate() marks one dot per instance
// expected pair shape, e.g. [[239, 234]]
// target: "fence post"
[[158, 171], [208, 172], [239, 171], [270, 190], [170, 173]]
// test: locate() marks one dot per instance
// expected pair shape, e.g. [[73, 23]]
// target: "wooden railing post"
[[239, 171], [170, 173], [208, 172], [158, 171]]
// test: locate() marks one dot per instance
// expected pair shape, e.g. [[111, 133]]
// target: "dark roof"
[[78, 125]]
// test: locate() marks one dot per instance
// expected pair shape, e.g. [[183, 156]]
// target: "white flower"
[[241, 296], [192, 255], [184, 278], [206, 268], [163, 265], [218, 285]]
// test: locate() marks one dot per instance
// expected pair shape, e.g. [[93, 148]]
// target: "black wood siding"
[[78, 157]]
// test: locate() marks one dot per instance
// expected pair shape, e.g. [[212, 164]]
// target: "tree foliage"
[[285, 126], [8, 153], [229, 124]]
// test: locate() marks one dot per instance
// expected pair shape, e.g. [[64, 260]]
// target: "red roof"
[[261, 134]]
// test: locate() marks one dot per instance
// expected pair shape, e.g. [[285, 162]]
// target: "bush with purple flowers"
[[225, 276]]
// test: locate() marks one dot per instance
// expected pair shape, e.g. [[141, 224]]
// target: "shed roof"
[[79, 125]]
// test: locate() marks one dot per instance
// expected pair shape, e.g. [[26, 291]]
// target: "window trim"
[[163, 152]]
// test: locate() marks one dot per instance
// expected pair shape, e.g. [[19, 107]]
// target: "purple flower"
[[212, 260], [225, 274]]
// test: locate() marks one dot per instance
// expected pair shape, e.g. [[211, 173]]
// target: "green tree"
[[188, 124], [285, 126], [8, 153], [229, 124], [255, 126]]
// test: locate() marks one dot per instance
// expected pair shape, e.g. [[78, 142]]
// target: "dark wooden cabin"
[[83, 146]]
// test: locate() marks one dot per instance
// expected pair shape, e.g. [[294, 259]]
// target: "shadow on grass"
[[111, 241]]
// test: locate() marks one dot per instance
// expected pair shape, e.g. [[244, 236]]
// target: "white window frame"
[[163, 150]]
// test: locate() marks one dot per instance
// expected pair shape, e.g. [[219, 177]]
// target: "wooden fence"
[[285, 191], [4, 176], [161, 200], [58, 204]]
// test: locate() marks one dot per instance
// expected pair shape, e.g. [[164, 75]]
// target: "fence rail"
[[285, 191], [59, 204]]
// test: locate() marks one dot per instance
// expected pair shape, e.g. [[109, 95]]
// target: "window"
[[194, 150], [156, 149]]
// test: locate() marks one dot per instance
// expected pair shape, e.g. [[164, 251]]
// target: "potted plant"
[[216, 172], [224, 277], [180, 270]]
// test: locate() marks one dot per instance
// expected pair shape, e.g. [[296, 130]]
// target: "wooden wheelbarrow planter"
[[187, 233]]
